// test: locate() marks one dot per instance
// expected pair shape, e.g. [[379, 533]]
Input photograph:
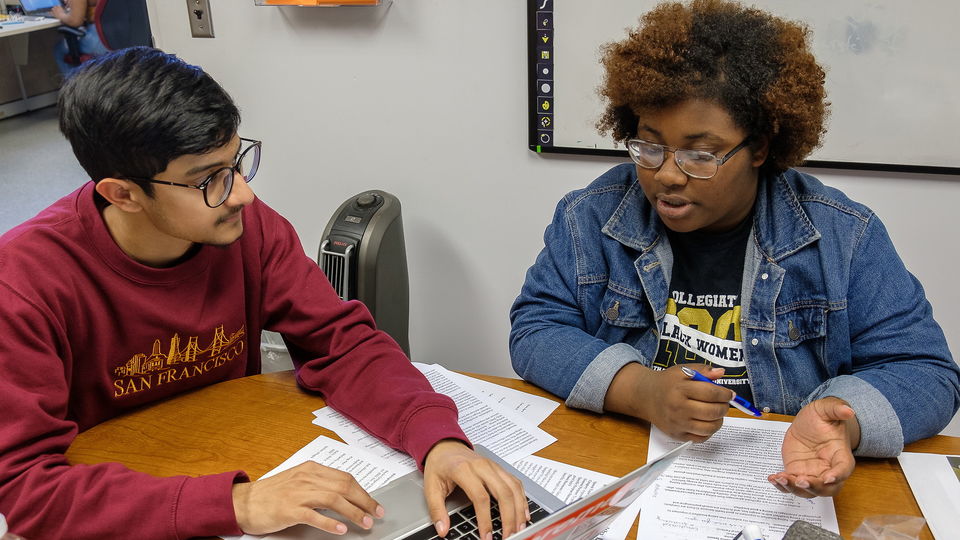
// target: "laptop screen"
[[31, 6]]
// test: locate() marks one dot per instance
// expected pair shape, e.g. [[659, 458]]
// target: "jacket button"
[[754, 341], [764, 275], [614, 311], [766, 409], [792, 331]]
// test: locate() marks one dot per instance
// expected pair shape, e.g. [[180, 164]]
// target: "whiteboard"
[[893, 77]]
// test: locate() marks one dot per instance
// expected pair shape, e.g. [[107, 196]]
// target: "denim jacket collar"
[[634, 223], [781, 227]]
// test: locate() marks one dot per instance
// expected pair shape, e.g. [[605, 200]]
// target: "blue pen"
[[737, 401]]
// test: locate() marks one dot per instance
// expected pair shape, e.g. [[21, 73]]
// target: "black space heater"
[[363, 255]]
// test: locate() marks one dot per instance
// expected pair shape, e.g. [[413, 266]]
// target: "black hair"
[[133, 111]]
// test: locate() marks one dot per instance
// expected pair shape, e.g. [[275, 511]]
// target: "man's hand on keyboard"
[[450, 464], [289, 498]]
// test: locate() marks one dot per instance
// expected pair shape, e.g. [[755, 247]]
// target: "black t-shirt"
[[702, 324]]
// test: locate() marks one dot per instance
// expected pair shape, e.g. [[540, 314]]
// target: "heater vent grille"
[[337, 268]]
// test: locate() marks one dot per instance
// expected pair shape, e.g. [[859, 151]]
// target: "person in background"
[[77, 14], [711, 252], [157, 278]]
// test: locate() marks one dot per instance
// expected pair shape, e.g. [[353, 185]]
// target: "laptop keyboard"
[[463, 524]]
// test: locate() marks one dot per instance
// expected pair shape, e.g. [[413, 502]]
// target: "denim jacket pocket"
[[796, 324], [624, 308], [800, 345]]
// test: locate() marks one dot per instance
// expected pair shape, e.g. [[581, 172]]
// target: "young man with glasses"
[[157, 278], [711, 253]]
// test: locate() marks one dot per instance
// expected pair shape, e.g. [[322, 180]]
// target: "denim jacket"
[[827, 307]]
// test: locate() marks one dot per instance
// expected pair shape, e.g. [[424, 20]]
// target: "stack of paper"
[[487, 416]]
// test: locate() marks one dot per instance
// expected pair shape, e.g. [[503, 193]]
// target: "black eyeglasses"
[[694, 163], [216, 187]]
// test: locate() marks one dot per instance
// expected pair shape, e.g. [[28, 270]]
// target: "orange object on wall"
[[319, 2]]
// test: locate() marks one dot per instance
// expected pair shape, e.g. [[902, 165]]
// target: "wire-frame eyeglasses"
[[693, 163], [217, 186]]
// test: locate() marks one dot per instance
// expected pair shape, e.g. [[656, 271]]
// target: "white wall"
[[426, 99]]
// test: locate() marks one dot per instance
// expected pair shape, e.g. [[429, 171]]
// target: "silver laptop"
[[409, 519]]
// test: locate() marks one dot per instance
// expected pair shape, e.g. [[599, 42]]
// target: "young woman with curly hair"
[[711, 253]]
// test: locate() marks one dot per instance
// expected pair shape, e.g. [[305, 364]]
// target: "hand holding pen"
[[684, 409], [737, 401]]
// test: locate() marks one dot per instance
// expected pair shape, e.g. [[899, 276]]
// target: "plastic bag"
[[890, 527]]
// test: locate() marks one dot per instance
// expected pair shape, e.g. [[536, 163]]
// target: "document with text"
[[485, 422], [534, 409], [502, 431], [355, 436], [569, 483], [370, 471], [720, 485]]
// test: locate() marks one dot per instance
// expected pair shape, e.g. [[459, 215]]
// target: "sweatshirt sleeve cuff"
[[428, 426], [205, 506], [591, 388], [880, 432]]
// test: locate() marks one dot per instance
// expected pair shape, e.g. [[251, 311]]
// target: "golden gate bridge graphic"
[[141, 364]]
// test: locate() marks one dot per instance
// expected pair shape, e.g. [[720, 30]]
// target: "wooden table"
[[255, 423]]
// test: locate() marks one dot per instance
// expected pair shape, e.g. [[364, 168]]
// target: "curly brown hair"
[[756, 66]]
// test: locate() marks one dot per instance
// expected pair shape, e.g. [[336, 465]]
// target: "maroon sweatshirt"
[[86, 334]]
